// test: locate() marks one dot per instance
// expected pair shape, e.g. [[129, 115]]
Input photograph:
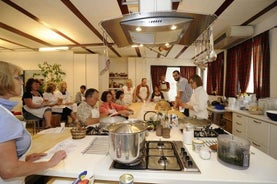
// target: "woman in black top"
[[34, 106]]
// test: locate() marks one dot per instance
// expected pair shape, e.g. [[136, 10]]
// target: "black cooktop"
[[210, 132], [96, 130]]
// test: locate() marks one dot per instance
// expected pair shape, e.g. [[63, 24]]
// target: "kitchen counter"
[[262, 167], [246, 113]]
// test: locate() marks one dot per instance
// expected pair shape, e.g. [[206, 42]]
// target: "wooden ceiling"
[[26, 25]]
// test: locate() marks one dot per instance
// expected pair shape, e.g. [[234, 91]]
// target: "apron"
[[143, 92], [36, 112], [95, 113], [163, 86], [157, 98]]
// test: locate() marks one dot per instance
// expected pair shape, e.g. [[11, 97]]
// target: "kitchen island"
[[262, 167]]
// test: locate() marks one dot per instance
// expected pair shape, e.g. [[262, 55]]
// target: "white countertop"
[[262, 169], [246, 113]]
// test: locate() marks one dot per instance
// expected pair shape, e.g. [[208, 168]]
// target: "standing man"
[[142, 91], [184, 90], [164, 87]]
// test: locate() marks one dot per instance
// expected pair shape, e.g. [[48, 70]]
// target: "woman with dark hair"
[[34, 105], [199, 99], [109, 108], [87, 111], [119, 95], [157, 95], [15, 140]]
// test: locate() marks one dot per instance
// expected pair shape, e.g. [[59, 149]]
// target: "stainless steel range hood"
[[155, 28]]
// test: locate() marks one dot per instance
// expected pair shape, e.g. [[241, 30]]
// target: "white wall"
[[79, 68]]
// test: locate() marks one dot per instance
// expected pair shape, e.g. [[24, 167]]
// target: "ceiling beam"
[[218, 12], [265, 10], [77, 13], [21, 33], [15, 43]]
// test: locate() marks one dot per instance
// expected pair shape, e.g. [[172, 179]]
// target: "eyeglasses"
[[19, 78]]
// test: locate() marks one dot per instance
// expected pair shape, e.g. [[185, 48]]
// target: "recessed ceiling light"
[[138, 29], [173, 27]]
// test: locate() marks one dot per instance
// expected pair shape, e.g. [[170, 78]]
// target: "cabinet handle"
[[238, 123], [255, 144], [239, 116], [258, 122], [238, 131]]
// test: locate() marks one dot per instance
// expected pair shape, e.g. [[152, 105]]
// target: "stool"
[[34, 123]]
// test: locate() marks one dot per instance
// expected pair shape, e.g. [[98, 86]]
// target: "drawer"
[[259, 146], [258, 131], [239, 133]]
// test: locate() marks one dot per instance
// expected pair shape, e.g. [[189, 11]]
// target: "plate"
[[256, 112]]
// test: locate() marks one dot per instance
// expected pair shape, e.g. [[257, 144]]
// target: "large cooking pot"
[[126, 141], [106, 121]]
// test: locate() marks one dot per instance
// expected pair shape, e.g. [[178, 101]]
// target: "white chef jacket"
[[199, 102]]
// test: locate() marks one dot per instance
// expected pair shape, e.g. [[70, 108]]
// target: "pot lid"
[[127, 127]]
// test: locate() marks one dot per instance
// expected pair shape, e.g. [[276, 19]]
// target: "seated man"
[[87, 111]]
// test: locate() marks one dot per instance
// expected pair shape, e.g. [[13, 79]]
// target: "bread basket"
[[78, 133]]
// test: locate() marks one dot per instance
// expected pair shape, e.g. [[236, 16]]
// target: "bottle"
[[188, 134]]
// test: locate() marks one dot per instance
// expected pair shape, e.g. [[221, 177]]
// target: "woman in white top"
[[129, 95], [199, 99], [71, 107]]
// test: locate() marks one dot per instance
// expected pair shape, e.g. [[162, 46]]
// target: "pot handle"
[[148, 115]]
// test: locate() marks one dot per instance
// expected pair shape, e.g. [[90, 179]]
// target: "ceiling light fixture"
[[138, 29], [173, 27], [44, 49]]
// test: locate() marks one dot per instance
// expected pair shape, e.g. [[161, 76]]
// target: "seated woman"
[[87, 111], [71, 107], [119, 95], [109, 108], [50, 96], [15, 140], [157, 95], [34, 106]]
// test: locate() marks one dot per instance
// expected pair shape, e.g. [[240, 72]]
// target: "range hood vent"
[[156, 28]]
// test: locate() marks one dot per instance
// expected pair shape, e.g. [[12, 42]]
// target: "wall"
[[79, 68]]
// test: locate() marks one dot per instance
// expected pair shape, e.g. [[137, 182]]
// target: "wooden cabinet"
[[258, 134], [239, 125], [272, 141], [227, 116]]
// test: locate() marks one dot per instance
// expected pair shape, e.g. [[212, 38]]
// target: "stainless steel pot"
[[106, 121], [126, 141]]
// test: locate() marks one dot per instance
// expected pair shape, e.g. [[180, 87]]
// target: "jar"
[[126, 179], [197, 144], [188, 134]]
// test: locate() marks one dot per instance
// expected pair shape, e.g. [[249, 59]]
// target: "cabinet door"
[[239, 125], [258, 131], [272, 141]]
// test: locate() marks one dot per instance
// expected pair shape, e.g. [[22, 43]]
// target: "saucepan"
[[126, 141]]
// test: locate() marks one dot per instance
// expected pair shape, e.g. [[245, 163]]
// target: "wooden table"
[[43, 142]]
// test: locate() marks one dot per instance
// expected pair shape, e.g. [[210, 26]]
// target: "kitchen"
[[79, 62]]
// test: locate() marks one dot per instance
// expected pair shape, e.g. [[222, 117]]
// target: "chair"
[[35, 123]]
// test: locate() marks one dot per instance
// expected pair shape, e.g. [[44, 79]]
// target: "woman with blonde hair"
[[15, 140], [129, 95]]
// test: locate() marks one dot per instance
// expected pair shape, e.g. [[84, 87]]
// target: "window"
[[250, 87]]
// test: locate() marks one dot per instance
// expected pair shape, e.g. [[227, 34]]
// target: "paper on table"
[[52, 130], [68, 146]]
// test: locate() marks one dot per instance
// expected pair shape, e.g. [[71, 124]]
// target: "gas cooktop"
[[162, 156], [91, 130]]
